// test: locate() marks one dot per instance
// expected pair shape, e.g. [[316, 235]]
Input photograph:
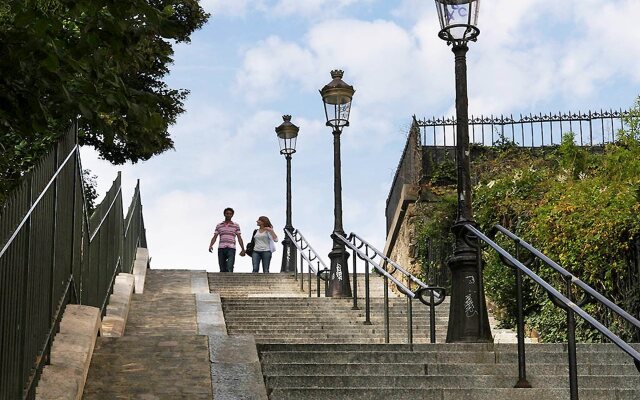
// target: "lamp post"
[[468, 319], [337, 96], [287, 136]]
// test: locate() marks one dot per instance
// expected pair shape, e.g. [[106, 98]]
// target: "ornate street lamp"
[[287, 135], [337, 96], [468, 319]]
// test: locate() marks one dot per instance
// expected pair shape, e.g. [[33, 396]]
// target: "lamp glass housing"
[[287, 136], [458, 20], [337, 96]]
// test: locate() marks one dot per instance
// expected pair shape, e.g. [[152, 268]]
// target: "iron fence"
[[51, 255], [533, 130]]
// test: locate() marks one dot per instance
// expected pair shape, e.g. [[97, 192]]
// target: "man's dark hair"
[[229, 209]]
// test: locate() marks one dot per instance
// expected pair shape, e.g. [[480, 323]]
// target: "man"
[[228, 231]]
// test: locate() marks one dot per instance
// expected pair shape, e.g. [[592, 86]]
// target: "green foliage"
[[580, 207], [102, 61]]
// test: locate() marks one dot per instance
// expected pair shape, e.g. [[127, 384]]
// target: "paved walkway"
[[161, 355]]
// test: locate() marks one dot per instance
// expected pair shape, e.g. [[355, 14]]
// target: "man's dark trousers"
[[226, 259]]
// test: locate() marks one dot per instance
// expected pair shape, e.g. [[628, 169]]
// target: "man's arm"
[[213, 240], [242, 252]]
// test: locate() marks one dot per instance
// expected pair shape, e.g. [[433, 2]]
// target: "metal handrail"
[[425, 293], [37, 201], [47, 212], [566, 304], [381, 270], [106, 214], [302, 244], [567, 275]]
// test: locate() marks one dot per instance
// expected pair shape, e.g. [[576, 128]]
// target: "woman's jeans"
[[265, 256]]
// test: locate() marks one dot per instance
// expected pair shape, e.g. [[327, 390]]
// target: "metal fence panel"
[[52, 254]]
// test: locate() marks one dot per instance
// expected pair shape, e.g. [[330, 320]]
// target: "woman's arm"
[[273, 234]]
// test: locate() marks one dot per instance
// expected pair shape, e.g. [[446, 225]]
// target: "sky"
[[256, 60]]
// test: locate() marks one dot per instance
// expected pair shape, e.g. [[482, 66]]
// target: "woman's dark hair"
[[229, 209], [265, 221]]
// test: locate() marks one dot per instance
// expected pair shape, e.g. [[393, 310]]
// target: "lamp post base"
[[289, 255], [468, 317], [339, 285]]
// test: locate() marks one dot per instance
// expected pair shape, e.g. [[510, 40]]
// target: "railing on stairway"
[[431, 296], [320, 270], [51, 255], [566, 302]]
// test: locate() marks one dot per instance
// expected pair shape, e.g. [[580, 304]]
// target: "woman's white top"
[[262, 241]]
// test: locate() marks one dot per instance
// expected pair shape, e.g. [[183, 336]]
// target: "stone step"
[[341, 340], [440, 357], [384, 393], [422, 381], [450, 347], [158, 367], [457, 369]]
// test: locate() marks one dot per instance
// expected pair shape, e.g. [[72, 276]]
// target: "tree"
[[101, 62]]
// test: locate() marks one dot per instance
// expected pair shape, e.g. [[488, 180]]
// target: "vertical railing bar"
[[432, 318], [386, 309], [590, 129], [571, 336], [355, 279], [25, 287], [367, 320], [604, 140], [522, 363], [410, 321]]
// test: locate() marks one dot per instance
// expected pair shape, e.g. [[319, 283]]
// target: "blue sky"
[[256, 60]]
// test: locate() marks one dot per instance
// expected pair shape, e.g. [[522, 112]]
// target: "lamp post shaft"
[[339, 285], [289, 256], [289, 225], [465, 211], [468, 318]]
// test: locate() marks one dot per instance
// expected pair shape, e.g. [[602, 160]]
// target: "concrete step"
[[442, 357], [384, 393], [159, 367], [422, 381], [455, 369]]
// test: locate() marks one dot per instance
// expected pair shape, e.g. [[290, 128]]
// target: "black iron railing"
[[52, 255], [309, 255], [408, 284], [566, 302], [590, 129]]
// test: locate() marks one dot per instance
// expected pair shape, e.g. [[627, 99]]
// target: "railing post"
[[432, 318], [317, 278], [355, 282], [571, 336], [409, 320], [23, 301], [522, 364], [386, 309], [367, 300]]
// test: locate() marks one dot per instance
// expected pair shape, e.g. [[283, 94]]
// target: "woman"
[[264, 245]]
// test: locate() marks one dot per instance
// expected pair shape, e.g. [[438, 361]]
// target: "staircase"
[[161, 356], [320, 348], [273, 309]]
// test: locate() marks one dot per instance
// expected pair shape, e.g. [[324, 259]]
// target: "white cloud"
[[317, 8], [232, 8]]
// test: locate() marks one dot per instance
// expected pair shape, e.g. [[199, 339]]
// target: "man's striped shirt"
[[227, 233]]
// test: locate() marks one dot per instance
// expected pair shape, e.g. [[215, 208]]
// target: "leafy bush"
[[578, 206]]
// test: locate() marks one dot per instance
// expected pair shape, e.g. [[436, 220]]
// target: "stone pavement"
[[161, 355]]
